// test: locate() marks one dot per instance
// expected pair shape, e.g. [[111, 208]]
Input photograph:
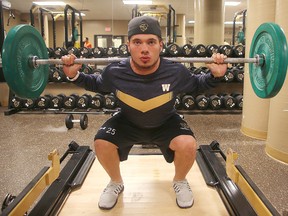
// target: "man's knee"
[[103, 146], [184, 143]]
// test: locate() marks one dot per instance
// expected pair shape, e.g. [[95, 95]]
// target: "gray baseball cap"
[[144, 25]]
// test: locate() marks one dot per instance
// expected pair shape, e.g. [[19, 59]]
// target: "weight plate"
[[22, 42], [84, 121], [269, 41], [69, 121]]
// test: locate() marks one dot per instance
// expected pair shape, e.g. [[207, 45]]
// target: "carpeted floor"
[[26, 140]]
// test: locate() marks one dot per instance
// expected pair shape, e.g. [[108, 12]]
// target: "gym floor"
[[27, 139]]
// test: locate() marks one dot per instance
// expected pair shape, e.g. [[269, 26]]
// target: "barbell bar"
[[25, 61], [258, 60]]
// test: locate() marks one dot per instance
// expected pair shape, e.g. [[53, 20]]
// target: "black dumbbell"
[[239, 99], [87, 69], [50, 52], [187, 50], [69, 121], [164, 51], [199, 50], [123, 50], [238, 73], [228, 101], [202, 102], [229, 75], [29, 103], [239, 51], [97, 101], [85, 52], [177, 104], [73, 50], [215, 102], [110, 101], [188, 102], [56, 75], [211, 49], [111, 51], [59, 52], [174, 50], [57, 101], [98, 52], [226, 50], [16, 102], [70, 101], [83, 102], [43, 102]]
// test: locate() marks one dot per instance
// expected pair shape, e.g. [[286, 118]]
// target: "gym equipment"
[[211, 49], [27, 79], [83, 102], [43, 102], [16, 102], [215, 102], [69, 121], [123, 50], [70, 101], [202, 102], [110, 101], [97, 101], [229, 75], [57, 101], [188, 102]]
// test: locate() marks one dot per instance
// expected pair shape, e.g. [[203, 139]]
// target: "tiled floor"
[[26, 140]]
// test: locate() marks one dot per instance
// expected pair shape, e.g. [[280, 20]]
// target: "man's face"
[[145, 50]]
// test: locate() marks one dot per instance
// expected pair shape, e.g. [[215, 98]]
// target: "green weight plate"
[[269, 41], [22, 42]]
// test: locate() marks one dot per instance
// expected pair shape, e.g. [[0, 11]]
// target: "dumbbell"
[[73, 50], [238, 73], [29, 103], [57, 101], [85, 52], [188, 102], [202, 102], [239, 51], [70, 101], [43, 102], [97, 101], [215, 102], [123, 50], [239, 99], [110, 101], [98, 52], [211, 49], [50, 52], [69, 121], [229, 75], [111, 51], [199, 50], [164, 51], [59, 52], [187, 50], [174, 50], [228, 101], [226, 50], [83, 102], [56, 75], [16, 102], [177, 104]]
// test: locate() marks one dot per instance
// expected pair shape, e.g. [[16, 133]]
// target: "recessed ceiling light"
[[140, 2], [231, 3], [47, 3]]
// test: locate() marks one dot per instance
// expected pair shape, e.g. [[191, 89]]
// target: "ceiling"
[[116, 10]]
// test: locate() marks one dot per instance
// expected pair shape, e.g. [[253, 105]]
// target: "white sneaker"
[[109, 196], [184, 195]]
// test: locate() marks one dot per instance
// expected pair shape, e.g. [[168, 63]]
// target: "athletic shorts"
[[124, 135]]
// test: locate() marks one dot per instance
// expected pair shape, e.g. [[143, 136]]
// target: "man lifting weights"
[[146, 86]]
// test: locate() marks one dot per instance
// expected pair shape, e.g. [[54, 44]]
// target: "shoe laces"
[[113, 187], [181, 185]]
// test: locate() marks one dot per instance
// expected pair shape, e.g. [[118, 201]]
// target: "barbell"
[[25, 61]]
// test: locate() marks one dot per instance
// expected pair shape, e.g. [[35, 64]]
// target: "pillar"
[[209, 22], [181, 25], [255, 111], [276, 143], [46, 30]]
